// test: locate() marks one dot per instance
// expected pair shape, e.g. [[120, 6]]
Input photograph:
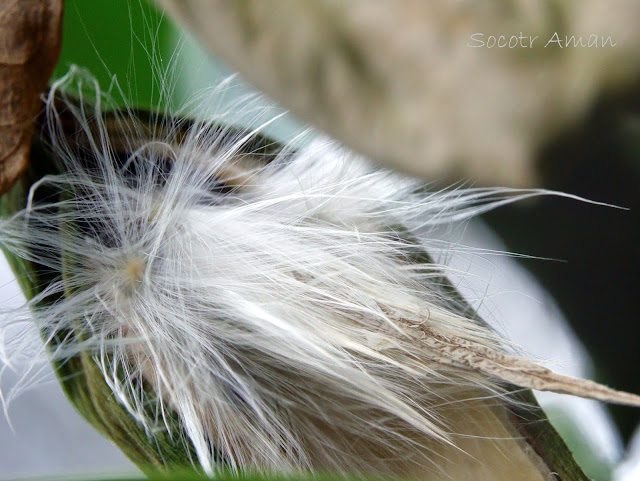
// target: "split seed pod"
[[211, 297]]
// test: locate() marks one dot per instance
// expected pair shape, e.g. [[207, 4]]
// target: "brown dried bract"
[[30, 33]]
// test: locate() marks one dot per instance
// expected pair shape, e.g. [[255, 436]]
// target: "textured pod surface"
[[30, 32]]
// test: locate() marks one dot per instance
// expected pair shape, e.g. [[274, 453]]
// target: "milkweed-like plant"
[[217, 301]]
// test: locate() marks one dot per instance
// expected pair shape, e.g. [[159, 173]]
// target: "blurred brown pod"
[[30, 33]]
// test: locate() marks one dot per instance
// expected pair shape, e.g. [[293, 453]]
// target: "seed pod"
[[210, 296]]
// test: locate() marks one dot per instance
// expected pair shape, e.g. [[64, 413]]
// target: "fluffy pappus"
[[280, 300]]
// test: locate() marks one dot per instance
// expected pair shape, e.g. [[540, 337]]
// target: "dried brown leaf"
[[30, 33]]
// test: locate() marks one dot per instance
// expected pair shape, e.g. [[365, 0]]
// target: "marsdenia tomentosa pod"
[[280, 301]]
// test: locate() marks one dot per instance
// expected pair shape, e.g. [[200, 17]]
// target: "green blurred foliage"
[[155, 63], [117, 39]]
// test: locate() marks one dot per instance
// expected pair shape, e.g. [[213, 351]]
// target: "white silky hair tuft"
[[287, 310]]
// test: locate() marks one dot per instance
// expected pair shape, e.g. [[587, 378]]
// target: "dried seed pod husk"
[[30, 37]]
